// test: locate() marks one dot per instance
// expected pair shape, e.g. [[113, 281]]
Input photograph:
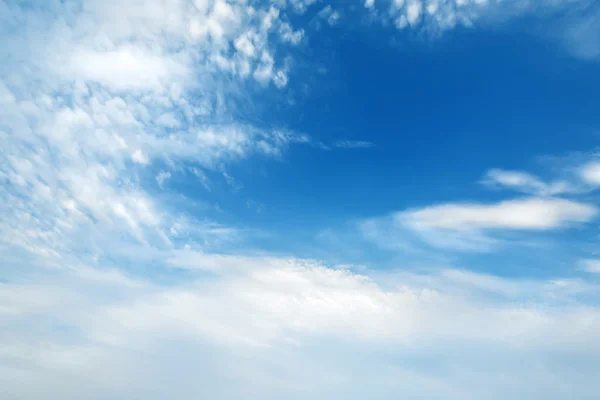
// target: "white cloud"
[[526, 183], [523, 214], [334, 18], [301, 6], [401, 22], [162, 177], [280, 79], [235, 186], [473, 227], [264, 72], [590, 173], [353, 144], [329, 14], [139, 157], [413, 12], [203, 178], [125, 68], [591, 266], [289, 298], [289, 35], [398, 4], [168, 120], [577, 28], [258, 316], [243, 44], [482, 227]]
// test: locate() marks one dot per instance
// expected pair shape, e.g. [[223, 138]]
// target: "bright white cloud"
[[125, 68], [525, 214], [590, 173], [413, 12], [473, 226], [268, 314]]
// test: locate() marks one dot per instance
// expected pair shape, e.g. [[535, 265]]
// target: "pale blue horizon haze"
[[237, 199]]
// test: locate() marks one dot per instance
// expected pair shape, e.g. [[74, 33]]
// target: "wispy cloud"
[[162, 177], [580, 32], [112, 100], [474, 226], [526, 183], [343, 144], [330, 15], [353, 144], [590, 265], [590, 173]]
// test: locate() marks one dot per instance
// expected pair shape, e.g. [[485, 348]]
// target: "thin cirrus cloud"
[[353, 144], [526, 183]]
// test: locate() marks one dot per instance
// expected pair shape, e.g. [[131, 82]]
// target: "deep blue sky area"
[[439, 114]]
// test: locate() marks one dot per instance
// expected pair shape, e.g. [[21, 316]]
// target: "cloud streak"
[[526, 183], [472, 226], [526, 214], [353, 144]]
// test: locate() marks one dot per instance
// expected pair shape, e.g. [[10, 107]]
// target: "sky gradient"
[[249, 200]]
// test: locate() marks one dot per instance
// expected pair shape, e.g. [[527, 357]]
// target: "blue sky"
[[238, 199]]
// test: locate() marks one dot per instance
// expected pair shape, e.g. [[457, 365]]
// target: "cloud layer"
[[256, 323]]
